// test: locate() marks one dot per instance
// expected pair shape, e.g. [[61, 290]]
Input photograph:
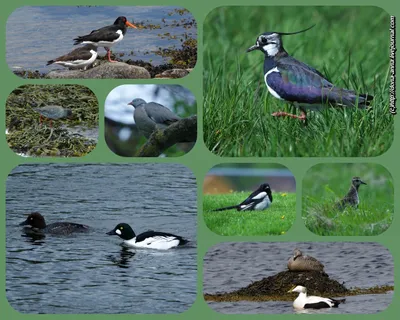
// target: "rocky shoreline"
[[102, 69]]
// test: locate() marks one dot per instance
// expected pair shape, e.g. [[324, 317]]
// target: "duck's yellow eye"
[[121, 228]]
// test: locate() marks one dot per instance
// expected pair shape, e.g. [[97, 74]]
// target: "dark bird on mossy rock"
[[300, 262], [53, 113]]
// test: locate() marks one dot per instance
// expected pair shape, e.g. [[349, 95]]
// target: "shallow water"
[[92, 272], [231, 266], [35, 35]]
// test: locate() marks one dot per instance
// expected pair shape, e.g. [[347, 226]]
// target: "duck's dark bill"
[[110, 233], [24, 223]]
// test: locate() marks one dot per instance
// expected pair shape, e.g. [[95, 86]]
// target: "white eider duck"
[[313, 302], [304, 263], [149, 239]]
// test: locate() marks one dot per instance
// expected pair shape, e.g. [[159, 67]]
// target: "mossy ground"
[[276, 287], [26, 135]]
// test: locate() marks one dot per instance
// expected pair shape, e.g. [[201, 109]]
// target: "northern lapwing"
[[260, 199], [152, 115], [303, 301], [299, 84], [79, 58], [107, 36], [53, 113], [351, 198]]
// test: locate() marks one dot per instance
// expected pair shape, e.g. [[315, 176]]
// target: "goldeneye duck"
[[260, 199], [313, 302], [38, 225], [148, 239]]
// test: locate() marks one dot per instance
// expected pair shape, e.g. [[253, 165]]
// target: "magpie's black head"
[[265, 187], [123, 230], [270, 43]]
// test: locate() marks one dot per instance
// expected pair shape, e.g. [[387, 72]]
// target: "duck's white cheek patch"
[[118, 232]]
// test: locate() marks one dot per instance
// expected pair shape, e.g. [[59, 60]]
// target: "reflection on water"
[[91, 272]]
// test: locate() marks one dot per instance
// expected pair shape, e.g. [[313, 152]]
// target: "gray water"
[[37, 34], [231, 266], [92, 272]]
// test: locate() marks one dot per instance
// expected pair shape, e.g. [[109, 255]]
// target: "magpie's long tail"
[[226, 208]]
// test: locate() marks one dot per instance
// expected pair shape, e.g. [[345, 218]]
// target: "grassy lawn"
[[325, 184], [275, 220], [342, 45]]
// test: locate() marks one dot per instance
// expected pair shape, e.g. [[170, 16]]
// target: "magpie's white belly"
[[263, 204]]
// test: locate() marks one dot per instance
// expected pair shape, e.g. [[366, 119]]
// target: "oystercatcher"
[[299, 84], [79, 58], [107, 36]]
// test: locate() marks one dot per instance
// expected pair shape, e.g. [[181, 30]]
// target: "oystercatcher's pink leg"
[[109, 55]]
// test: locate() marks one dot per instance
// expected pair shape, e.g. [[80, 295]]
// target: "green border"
[[199, 160]]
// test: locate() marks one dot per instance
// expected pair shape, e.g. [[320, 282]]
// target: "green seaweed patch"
[[27, 135], [277, 287]]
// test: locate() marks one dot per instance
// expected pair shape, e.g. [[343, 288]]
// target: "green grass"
[[325, 184], [350, 45], [275, 220]]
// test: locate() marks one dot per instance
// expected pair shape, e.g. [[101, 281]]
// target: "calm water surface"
[[35, 35], [92, 272], [231, 266]]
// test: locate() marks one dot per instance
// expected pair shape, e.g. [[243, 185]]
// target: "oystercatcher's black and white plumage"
[[260, 199], [313, 302], [299, 84], [79, 58], [107, 36], [148, 239]]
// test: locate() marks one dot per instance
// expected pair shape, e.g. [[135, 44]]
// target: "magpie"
[[260, 199], [299, 84]]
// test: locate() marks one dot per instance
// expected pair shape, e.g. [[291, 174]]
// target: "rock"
[[173, 73], [107, 70]]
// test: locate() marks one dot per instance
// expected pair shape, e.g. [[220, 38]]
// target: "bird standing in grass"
[[351, 199], [260, 199], [295, 82], [313, 302]]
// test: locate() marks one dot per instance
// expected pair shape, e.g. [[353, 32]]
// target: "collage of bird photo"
[[206, 160]]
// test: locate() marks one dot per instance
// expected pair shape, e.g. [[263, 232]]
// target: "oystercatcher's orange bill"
[[130, 24]]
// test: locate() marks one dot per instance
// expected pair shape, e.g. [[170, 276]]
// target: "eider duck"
[[304, 263], [313, 302], [148, 239]]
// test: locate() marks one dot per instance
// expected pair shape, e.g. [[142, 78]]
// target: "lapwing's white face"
[[269, 44]]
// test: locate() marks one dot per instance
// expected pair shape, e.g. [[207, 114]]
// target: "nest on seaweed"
[[276, 287]]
